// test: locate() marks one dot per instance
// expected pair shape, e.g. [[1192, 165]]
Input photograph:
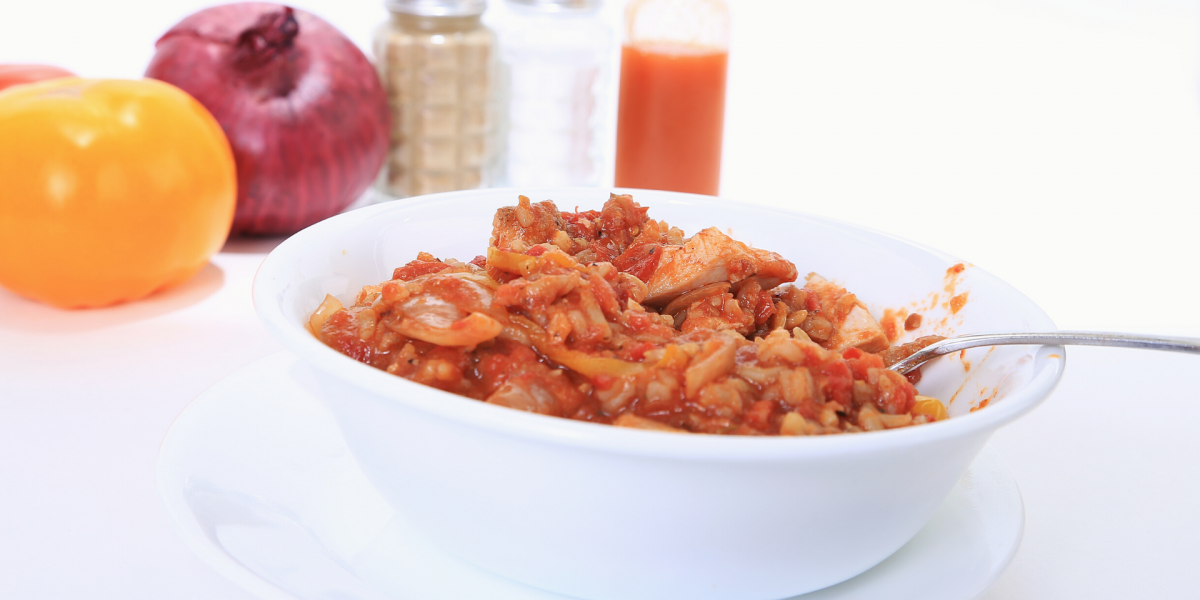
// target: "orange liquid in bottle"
[[670, 117]]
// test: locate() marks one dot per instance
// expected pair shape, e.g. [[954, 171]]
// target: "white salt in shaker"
[[554, 56]]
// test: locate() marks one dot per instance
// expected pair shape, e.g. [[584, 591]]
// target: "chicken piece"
[[853, 326], [710, 257]]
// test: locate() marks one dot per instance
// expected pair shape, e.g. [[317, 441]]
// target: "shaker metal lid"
[[557, 5], [437, 8]]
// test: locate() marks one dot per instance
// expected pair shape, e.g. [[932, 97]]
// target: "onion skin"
[[301, 105]]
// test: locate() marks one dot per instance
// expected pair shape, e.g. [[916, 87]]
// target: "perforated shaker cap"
[[437, 8], [557, 5]]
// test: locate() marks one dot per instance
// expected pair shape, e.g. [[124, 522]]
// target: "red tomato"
[[11, 75]]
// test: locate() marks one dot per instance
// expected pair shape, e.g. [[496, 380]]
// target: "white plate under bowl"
[[261, 486]]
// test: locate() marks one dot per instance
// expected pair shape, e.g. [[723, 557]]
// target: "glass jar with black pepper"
[[436, 60]]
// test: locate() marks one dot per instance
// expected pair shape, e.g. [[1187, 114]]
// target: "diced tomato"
[[603, 381], [839, 385], [811, 408], [621, 218], [640, 260], [862, 363], [340, 332], [455, 291], [502, 361], [606, 296], [765, 308], [418, 268], [913, 376], [759, 415], [639, 321], [582, 224], [896, 394], [507, 295], [639, 351], [811, 303]]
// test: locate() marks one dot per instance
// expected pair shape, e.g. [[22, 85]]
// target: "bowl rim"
[[618, 440]]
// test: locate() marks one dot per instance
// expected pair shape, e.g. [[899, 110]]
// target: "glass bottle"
[[555, 57], [671, 106], [436, 62]]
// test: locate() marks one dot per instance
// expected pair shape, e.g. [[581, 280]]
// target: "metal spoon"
[[1056, 338]]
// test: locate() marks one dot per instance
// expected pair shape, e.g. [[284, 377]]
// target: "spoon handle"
[[1055, 338]]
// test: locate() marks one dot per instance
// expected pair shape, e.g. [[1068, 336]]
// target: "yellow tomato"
[[110, 190]]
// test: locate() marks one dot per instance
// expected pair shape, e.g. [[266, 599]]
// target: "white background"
[[1014, 134], [1054, 143]]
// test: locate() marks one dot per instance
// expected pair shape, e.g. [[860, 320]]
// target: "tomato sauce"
[[559, 334], [671, 115]]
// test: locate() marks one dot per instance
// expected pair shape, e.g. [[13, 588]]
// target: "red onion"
[[302, 107]]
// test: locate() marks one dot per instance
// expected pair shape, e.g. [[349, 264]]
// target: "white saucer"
[[260, 484]]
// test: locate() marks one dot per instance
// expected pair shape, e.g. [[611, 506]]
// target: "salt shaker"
[[554, 55], [436, 60]]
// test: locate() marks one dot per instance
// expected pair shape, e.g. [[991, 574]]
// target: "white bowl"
[[599, 512]]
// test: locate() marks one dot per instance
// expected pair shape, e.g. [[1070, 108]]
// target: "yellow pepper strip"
[[930, 407], [523, 264], [511, 262], [581, 362]]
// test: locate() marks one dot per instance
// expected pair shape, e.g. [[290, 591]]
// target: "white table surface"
[[1055, 143]]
